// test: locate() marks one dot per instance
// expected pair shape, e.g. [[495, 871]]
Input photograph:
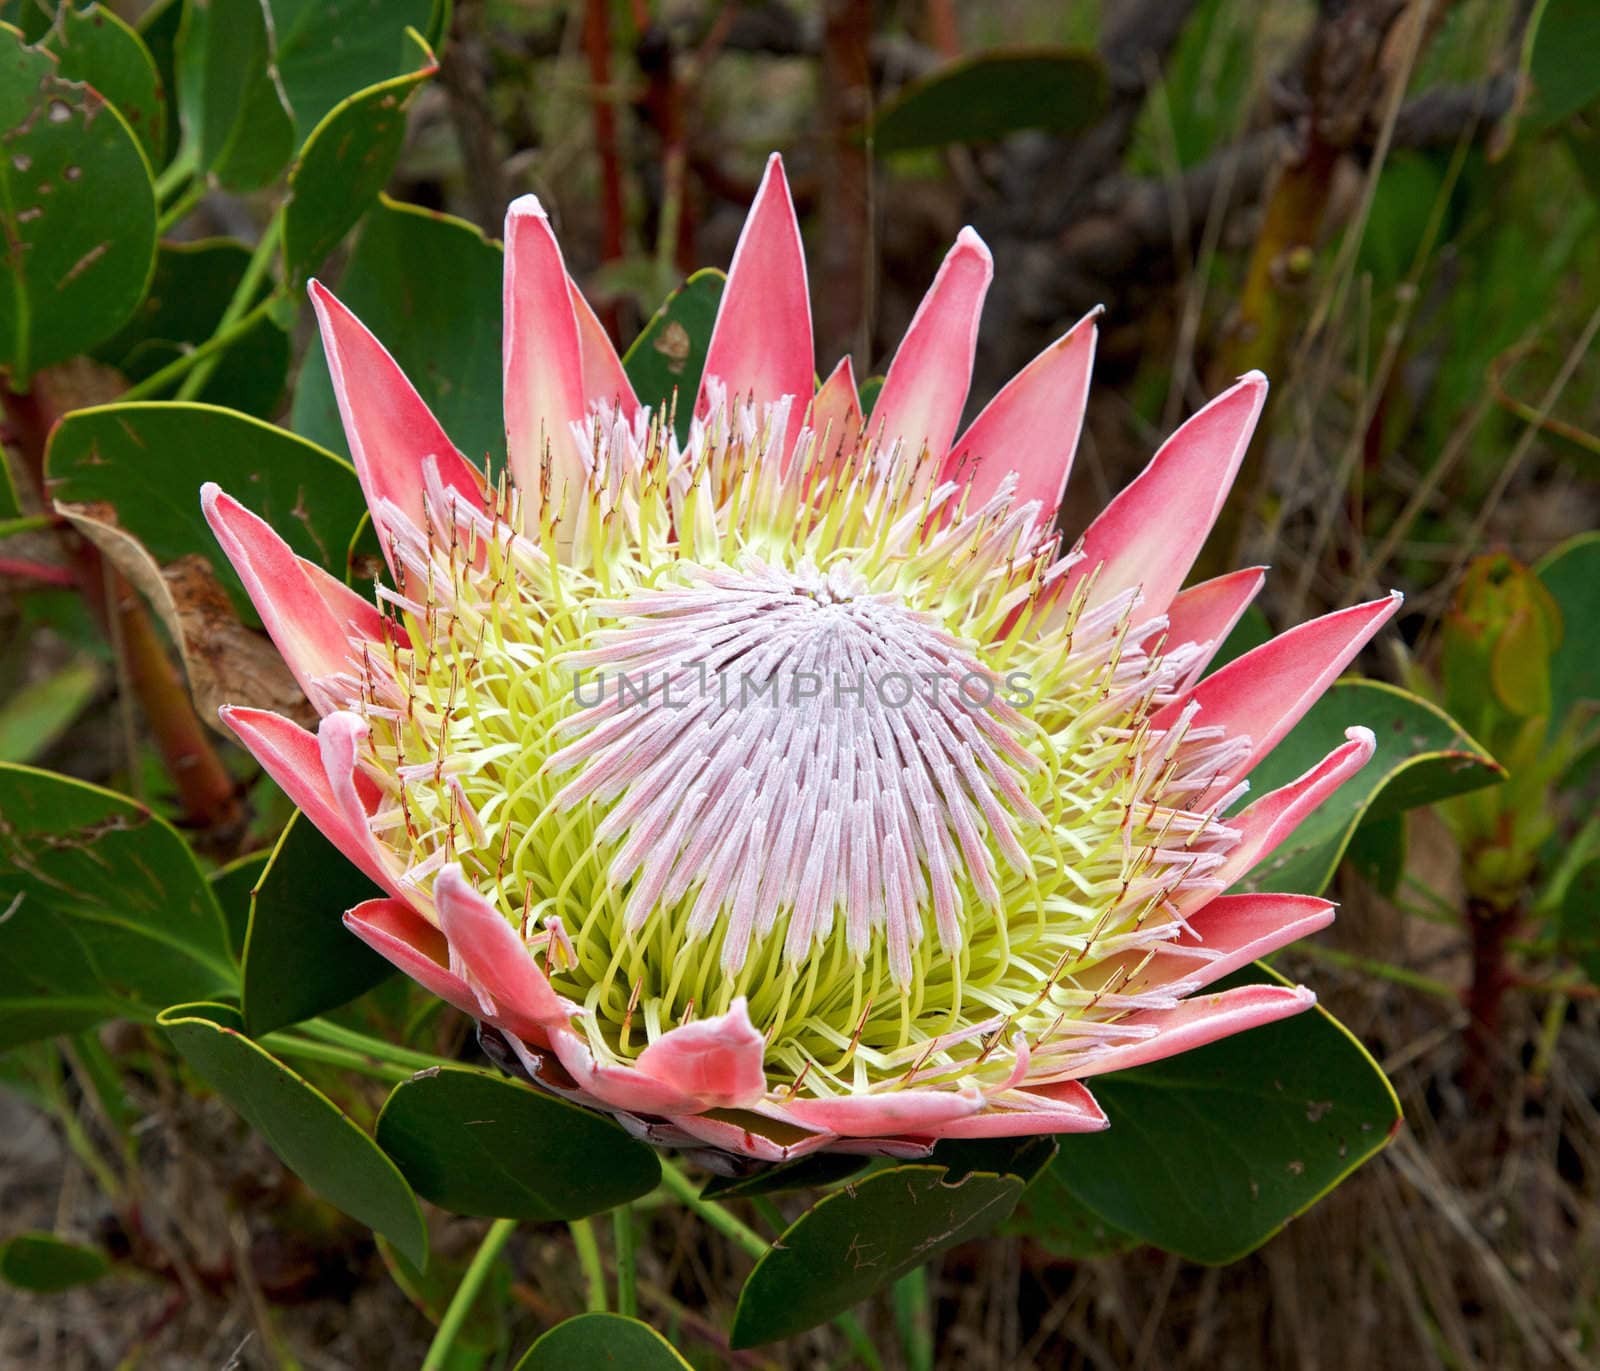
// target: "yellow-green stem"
[[466, 1295], [594, 1271]]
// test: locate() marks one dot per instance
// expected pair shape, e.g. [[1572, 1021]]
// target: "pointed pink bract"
[[541, 356], [1150, 534], [761, 344], [1266, 692], [1032, 426], [926, 388], [390, 430]]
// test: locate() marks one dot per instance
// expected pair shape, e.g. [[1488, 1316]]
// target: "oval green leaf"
[[97, 46], [669, 355], [44, 1263], [1423, 755], [1059, 90], [346, 161], [1571, 573], [1211, 1152], [77, 210], [148, 461], [596, 1341], [103, 912], [299, 959], [476, 1143], [442, 326], [856, 1241], [326, 50], [300, 1124]]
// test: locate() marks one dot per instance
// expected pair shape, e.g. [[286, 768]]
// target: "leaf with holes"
[[299, 959], [77, 211], [97, 46], [670, 353], [345, 163], [596, 1341], [105, 913], [476, 1143], [977, 99], [443, 327], [1423, 755], [1211, 1152], [856, 1241], [300, 1124]]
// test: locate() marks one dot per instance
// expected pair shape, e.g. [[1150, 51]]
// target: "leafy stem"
[[199, 356], [239, 307]]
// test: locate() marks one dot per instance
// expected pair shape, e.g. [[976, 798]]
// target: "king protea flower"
[[787, 787]]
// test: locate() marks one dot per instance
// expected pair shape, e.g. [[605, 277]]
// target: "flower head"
[[790, 786]]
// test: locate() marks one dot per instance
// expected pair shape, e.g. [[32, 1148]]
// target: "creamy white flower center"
[[776, 740]]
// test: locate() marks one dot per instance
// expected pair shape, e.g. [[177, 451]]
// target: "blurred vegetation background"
[[1390, 207]]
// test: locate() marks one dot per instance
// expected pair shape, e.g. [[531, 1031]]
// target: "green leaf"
[[105, 913], [856, 1241], [148, 461], [346, 161], [596, 1341], [328, 49], [158, 30], [190, 288], [37, 715], [476, 1143], [809, 1173], [670, 353], [1211, 1152], [189, 292], [234, 885], [302, 1125], [1565, 75], [44, 1263], [234, 109], [442, 326], [1571, 573], [77, 210], [1052, 1215], [299, 959], [1578, 922], [1422, 756], [97, 46], [976, 99]]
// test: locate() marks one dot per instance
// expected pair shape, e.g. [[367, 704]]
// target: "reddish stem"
[[597, 47], [42, 572], [1491, 929], [844, 202]]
